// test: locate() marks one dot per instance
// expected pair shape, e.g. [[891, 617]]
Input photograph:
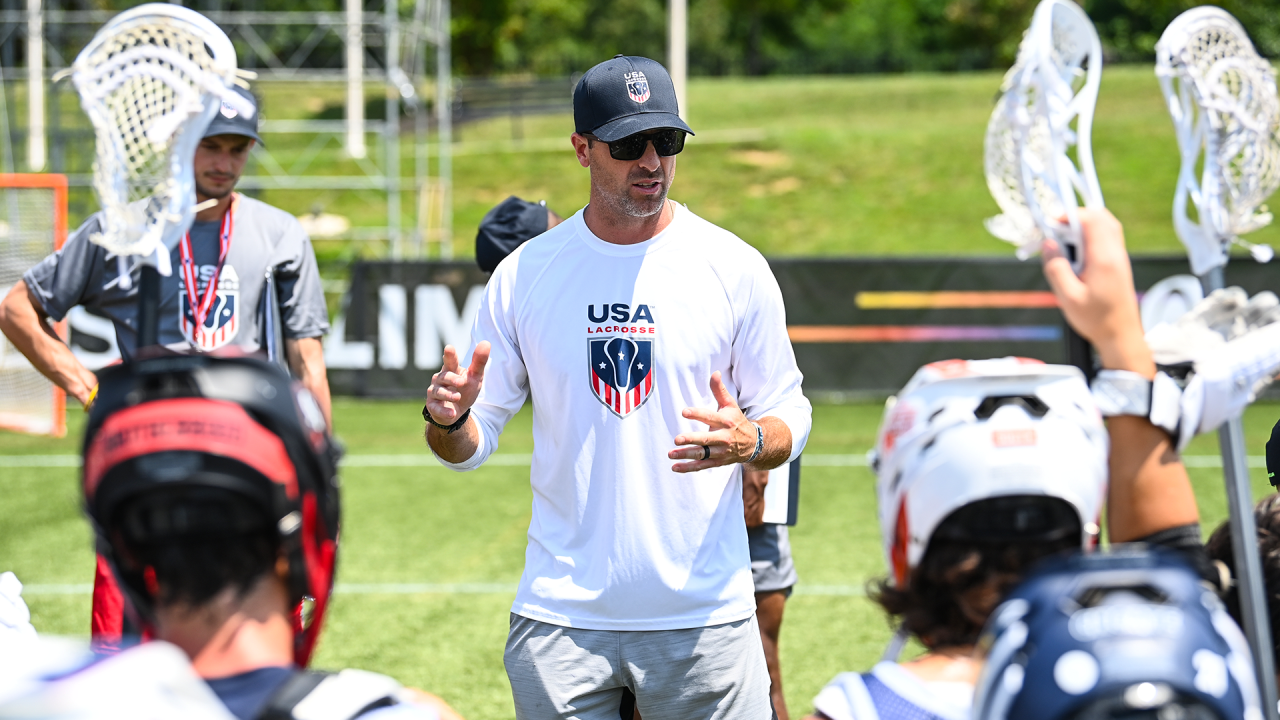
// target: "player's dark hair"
[[963, 576], [1266, 514], [195, 542]]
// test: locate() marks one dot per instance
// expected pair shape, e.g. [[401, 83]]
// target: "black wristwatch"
[[449, 429]]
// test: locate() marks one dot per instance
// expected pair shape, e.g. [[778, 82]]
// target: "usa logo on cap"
[[622, 373], [228, 111], [637, 86]]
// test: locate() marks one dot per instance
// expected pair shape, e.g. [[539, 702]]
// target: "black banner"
[[860, 327]]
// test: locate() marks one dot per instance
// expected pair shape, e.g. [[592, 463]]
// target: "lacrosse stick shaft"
[[148, 308], [1250, 587]]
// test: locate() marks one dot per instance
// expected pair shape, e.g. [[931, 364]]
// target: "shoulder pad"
[[331, 696]]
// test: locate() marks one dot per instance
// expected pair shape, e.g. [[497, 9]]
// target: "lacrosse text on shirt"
[[622, 365], [208, 311]]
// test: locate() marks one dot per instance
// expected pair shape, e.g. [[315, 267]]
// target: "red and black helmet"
[[165, 426]]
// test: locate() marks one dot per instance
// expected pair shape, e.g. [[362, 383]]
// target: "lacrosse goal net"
[[33, 223]]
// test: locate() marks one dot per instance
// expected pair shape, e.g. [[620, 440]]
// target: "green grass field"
[[465, 534]]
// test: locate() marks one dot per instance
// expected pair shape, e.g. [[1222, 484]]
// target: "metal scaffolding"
[[364, 43]]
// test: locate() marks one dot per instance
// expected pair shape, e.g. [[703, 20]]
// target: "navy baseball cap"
[[506, 227], [230, 122], [623, 96]]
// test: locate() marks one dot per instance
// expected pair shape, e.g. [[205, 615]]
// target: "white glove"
[[15, 618], [1218, 319], [1232, 343], [1227, 379]]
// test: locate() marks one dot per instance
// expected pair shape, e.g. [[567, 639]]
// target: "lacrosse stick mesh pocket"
[[150, 83], [1028, 169], [1222, 97]]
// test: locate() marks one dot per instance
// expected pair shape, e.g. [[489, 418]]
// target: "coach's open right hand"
[[453, 390]]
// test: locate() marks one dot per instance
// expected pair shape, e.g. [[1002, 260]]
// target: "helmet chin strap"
[[893, 650]]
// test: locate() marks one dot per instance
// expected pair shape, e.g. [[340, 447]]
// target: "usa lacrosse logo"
[[637, 86], [622, 373], [221, 322]]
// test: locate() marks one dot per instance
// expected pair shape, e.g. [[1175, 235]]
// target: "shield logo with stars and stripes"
[[223, 320], [622, 373]]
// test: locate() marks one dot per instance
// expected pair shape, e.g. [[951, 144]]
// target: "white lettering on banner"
[[342, 355], [98, 328], [393, 309], [437, 323]]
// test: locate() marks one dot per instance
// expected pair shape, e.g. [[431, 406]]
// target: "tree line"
[[762, 37], [733, 37]]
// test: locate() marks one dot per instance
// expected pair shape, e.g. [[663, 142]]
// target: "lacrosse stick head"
[[1045, 110], [1222, 98], [150, 81]]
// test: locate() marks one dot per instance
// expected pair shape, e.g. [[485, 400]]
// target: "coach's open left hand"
[[633, 326]]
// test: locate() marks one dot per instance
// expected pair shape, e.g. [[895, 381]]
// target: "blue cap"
[[230, 122], [623, 96]]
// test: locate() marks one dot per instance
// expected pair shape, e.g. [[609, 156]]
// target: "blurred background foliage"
[[762, 37], [755, 37]]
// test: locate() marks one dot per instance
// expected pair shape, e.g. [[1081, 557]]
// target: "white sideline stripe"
[[423, 460], [519, 460], [32, 589], [39, 461], [428, 460]]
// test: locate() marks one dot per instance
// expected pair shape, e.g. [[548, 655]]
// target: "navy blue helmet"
[[1129, 634]]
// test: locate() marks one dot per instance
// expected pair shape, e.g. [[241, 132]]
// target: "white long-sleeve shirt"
[[614, 342]]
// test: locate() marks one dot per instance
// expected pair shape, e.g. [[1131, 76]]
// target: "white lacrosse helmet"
[[965, 431]]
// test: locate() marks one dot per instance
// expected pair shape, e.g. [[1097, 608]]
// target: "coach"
[[625, 323], [211, 300]]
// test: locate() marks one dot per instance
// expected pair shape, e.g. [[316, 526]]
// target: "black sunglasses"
[[666, 142]]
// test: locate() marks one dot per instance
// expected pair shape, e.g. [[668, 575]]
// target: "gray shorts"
[[771, 566], [715, 672]]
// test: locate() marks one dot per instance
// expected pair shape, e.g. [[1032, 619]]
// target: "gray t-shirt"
[[263, 237]]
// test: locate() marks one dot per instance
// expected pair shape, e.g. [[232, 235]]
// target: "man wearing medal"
[[209, 304], [211, 301]]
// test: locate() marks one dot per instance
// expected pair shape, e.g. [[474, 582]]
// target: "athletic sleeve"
[[65, 279], [845, 698], [506, 380], [1185, 541], [763, 364], [302, 305]]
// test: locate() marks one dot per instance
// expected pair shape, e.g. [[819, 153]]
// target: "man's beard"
[[213, 194], [622, 203]]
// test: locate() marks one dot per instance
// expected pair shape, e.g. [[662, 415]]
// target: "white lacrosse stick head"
[[150, 81], [1222, 98], [1045, 110]]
